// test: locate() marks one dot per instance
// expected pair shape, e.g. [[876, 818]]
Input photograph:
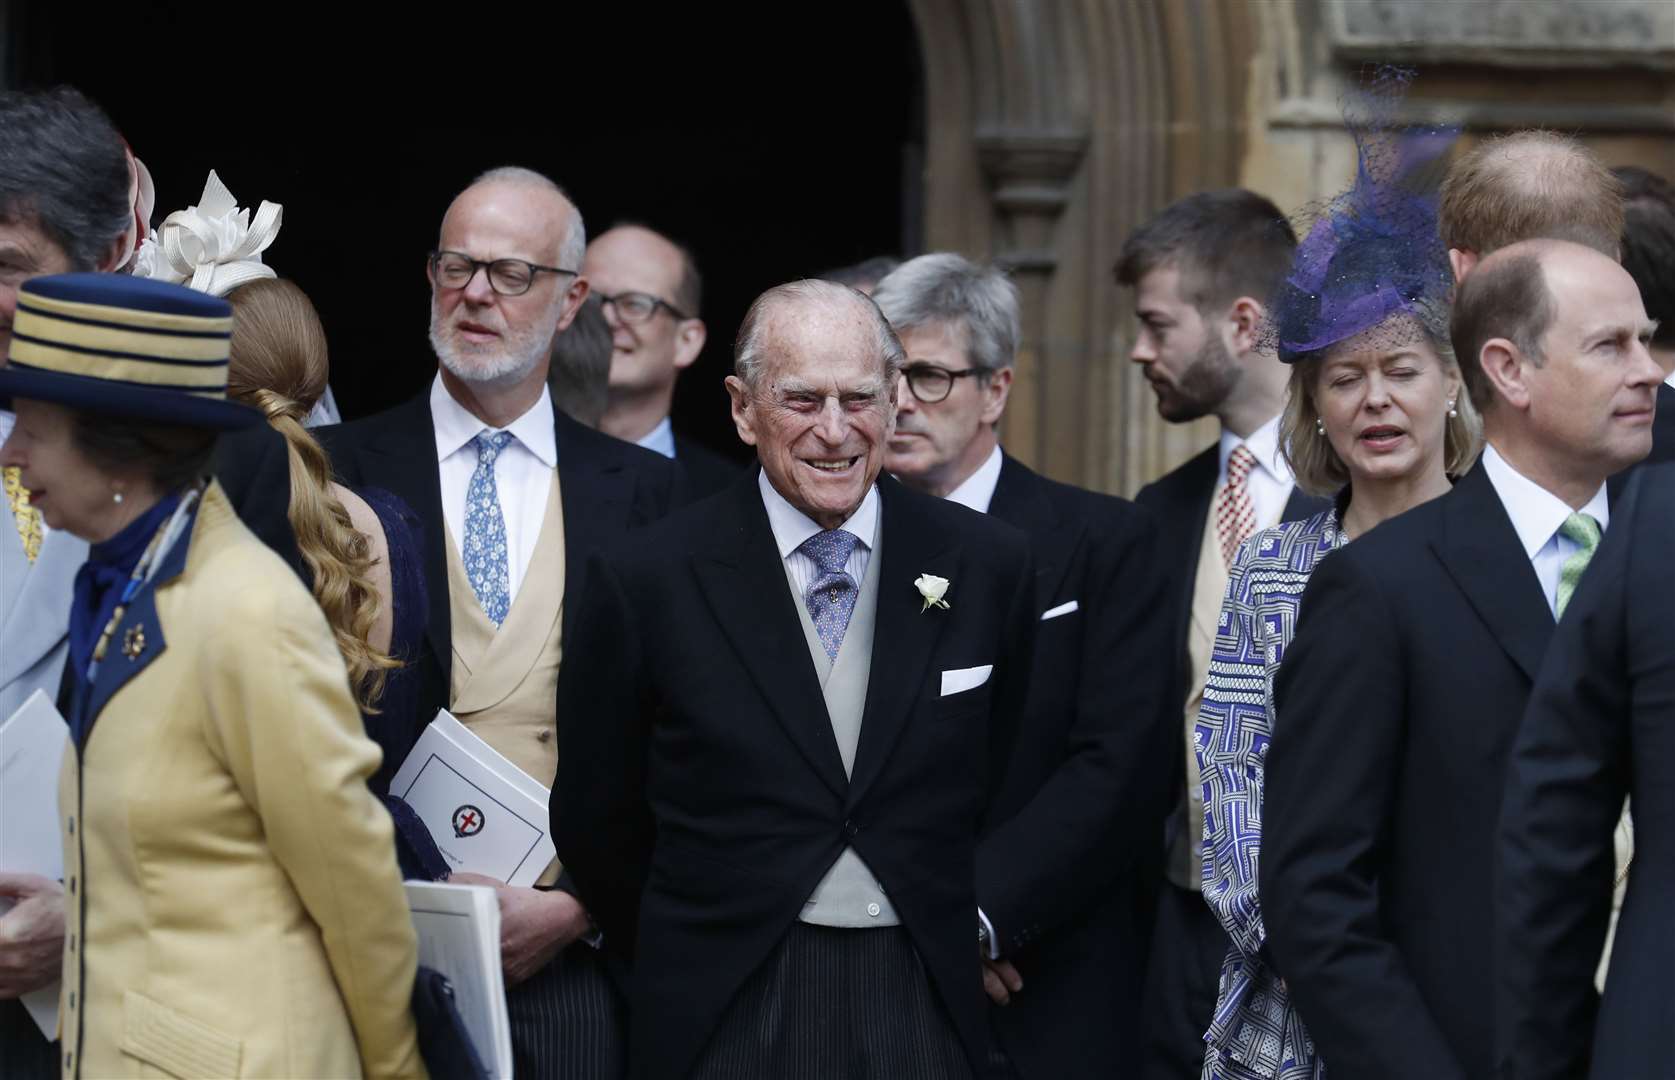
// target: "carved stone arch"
[[1053, 128]]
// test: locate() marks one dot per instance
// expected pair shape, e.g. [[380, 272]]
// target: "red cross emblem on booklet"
[[468, 821]]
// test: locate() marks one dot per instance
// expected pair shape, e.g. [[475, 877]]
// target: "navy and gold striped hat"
[[127, 346]]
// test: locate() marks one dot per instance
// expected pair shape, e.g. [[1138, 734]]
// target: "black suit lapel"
[[1020, 501], [597, 497], [1481, 551], [401, 459], [743, 578], [905, 632]]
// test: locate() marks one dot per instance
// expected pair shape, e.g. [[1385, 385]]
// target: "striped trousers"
[[568, 1021], [839, 1004]]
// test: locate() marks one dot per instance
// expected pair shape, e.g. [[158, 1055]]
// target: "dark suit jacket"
[[700, 794], [1058, 874], [707, 472], [1180, 503], [606, 487], [1601, 724], [1415, 651]]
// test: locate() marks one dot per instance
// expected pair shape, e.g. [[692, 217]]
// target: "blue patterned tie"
[[831, 596], [485, 531]]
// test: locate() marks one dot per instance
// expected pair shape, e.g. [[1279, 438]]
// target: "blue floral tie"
[[485, 531], [831, 596]]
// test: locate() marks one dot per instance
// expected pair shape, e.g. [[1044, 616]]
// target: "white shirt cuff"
[[994, 939]]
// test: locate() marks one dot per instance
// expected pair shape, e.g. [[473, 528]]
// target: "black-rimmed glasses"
[[932, 383], [508, 277], [639, 307]]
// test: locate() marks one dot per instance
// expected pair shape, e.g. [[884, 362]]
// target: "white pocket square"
[[1063, 609], [965, 678]]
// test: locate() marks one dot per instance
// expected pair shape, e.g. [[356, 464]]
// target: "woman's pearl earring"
[[116, 497], [1319, 426], [1452, 411]]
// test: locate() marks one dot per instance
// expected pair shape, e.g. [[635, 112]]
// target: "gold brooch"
[[133, 642]]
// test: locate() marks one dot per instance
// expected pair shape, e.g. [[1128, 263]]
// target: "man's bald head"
[[655, 256], [1525, 186], [800, 312], [528, 197]]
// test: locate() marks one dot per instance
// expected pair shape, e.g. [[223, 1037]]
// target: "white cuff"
[[994, 939]]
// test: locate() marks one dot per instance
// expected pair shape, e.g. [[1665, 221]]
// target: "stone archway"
[[1054, 127]]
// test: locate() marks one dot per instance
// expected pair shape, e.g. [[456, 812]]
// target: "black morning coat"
[[1060, 872], [701, 796], [1600, 725], [1416, 649]]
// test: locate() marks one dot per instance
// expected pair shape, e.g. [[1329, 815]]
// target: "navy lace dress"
[[395, 727]]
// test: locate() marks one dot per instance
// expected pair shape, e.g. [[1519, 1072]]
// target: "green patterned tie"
[[1584, 531]]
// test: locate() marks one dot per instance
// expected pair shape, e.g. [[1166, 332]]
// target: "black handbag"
[[444, 1042]]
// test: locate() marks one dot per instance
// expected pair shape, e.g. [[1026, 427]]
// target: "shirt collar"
[[791, 526], [1264, 442], [978, 490], [456, 427], [1536, 513], [660, 438]]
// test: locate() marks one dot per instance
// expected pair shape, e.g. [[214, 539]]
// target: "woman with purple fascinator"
[[1376, 420]]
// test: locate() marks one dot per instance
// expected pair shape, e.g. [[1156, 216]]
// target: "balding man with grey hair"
[[511, 496], [785, 726], [1061, 868]]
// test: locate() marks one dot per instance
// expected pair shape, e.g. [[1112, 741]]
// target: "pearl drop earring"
[[116, 497], [1319, 426], [1452, 411]]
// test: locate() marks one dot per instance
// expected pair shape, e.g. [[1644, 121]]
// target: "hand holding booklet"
[[486, 815]]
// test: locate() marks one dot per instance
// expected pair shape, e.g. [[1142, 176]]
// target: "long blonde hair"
[[278, 365]]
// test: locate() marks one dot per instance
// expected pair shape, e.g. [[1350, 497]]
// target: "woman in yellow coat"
[[232, 902]]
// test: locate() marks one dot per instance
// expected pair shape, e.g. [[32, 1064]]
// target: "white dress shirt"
[[791, 527], [1536, 515], [523, 473], [1270, 483], [978, 490], [660, 438]]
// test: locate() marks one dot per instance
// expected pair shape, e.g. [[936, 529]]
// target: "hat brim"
[[126, 400]]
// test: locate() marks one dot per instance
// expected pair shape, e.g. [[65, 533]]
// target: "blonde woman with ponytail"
[[359, 550]]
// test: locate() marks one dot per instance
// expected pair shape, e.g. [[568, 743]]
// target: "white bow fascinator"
[[214, 247]]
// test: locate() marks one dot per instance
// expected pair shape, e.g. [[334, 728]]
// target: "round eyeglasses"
[[639, 307], [932, 383], [508, 277]]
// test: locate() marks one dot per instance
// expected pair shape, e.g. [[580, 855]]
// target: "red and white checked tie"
[[1235, 513]]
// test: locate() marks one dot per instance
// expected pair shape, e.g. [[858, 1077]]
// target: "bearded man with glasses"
[[650, 292], [513, 496]]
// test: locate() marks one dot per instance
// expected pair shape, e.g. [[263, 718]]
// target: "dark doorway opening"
[[777, 140]]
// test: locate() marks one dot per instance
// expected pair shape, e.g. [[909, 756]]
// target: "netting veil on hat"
[[214, 246], [1372, 252]]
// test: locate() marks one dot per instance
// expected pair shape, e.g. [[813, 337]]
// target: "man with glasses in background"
[[513, 496], [1074, 825], [650, 291]]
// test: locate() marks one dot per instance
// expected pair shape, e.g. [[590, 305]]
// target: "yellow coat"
[[232, 898]]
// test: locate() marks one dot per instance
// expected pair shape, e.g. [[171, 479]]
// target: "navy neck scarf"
[[101, 579]]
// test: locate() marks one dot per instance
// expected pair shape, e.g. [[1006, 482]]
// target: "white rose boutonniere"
[[933, 589]]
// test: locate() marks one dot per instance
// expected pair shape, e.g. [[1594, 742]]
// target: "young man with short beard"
[[1201, 271]]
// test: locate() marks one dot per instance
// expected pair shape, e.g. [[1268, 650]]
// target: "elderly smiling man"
[[783, 727]]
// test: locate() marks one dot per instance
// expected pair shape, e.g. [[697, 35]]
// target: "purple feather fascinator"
[[1372, 252]]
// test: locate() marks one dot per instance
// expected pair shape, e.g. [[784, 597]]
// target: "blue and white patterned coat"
[[1255, 1031]]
